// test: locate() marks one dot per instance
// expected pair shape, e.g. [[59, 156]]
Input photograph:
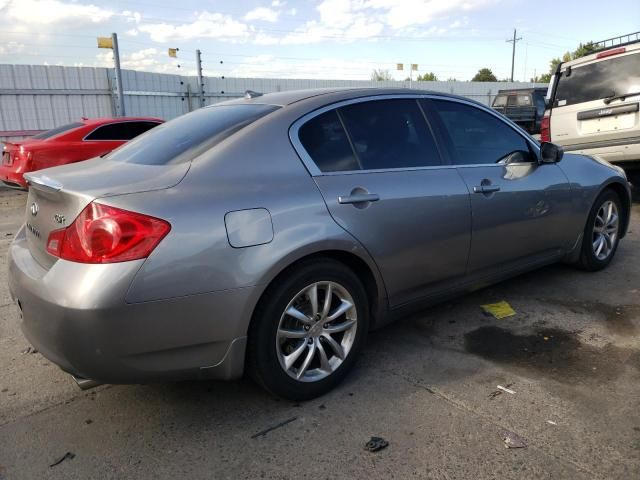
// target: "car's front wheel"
[[602, 232], [308, 330]]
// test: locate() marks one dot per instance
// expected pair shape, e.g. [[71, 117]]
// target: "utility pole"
[[513, 51], [200, 81], [116, 59]]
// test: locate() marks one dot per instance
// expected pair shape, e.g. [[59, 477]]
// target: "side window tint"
[[120, 131], [474, 136], [390, 134], [326, 142]]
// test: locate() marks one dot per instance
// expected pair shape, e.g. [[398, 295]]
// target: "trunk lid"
[[58, 195]]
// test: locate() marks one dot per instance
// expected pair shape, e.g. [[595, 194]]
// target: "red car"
[[67, 144]]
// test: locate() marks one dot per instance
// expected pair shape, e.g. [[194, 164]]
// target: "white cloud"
[[132, 32], [11, 48], [48, 12], [419, 12], [267, 66], [147, 60], [132, 16], [206, 25], [262, 14]]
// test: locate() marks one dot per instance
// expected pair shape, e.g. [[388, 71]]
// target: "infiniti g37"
[[269, 234]]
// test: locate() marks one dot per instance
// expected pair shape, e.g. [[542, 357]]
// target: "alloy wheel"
[[316, 331], [605, 230]]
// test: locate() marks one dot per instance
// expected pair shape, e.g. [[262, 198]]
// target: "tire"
[[592, 258], [280, 344]]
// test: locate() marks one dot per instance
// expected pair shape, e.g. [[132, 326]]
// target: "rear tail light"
[[609, 53], [104, 234], [23, 156], [545, 128]]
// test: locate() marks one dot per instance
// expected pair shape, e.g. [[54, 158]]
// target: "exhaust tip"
[[85, 383]]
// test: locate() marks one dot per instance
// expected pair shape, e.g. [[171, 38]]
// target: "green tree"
[[380, 75], [484, 75], [582, 50], [427, 77]]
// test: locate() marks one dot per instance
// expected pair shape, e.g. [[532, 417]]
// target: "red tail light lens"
[[103, 234], [24, 156], [545, 129]]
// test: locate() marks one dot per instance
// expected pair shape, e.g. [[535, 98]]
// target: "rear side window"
[[327, 144], [390, 134], [474, 136], [184, 138], [605, 78], [523, 100], [120, 131], [58, 130]]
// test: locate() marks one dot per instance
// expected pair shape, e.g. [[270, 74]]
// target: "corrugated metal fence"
[[38, 97]]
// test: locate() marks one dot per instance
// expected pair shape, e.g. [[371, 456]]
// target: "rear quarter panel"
[[256, 168]]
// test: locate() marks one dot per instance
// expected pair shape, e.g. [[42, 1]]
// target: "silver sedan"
[[269, 234]]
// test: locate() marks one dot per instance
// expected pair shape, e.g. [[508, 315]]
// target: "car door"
[[520, 207], [379, 170]]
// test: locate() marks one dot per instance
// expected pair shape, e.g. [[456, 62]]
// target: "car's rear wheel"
[[308, 330], [602, 232]]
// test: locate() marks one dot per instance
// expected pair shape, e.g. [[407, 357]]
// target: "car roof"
[[600, 55], [331, 95], [522, 90], [102, 120]]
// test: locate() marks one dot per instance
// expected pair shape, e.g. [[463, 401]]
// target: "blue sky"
[[343, 39]]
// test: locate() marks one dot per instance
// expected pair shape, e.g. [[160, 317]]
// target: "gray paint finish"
[[190, 303], [248, 228]]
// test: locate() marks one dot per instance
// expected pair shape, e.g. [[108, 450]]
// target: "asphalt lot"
[[571, 354]]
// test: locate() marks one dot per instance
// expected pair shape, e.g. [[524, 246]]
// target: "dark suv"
[[524, 106]]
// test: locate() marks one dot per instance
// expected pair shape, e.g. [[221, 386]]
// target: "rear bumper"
[[614, 152], [76, 316], [12, 178]]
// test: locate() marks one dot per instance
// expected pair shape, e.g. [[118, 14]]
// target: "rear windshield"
[[606, 78], [184, 138], [58, 130]]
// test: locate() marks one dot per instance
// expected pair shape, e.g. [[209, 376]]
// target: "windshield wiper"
[[623, 96]]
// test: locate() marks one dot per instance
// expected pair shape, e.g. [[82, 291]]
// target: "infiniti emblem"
[[34, 209]]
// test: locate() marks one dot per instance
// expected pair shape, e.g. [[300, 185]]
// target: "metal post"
[[200, 80], [116, 59], [513, 51]]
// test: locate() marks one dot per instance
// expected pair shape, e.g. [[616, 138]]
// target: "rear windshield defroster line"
[[184, 138]]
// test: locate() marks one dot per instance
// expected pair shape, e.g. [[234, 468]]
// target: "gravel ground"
[[425, 384]]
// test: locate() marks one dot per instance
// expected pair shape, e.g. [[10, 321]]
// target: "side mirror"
[[550, 152]]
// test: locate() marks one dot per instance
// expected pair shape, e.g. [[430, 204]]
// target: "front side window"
[[474, 136], [500, 101], [390, 134], [605, 78]]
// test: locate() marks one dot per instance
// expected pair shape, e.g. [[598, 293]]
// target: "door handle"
[[358, 198], [486, 189]]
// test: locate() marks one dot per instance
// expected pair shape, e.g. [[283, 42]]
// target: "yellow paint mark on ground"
[[499, 310]]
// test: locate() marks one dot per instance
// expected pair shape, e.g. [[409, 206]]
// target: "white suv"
[[593, 106]]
